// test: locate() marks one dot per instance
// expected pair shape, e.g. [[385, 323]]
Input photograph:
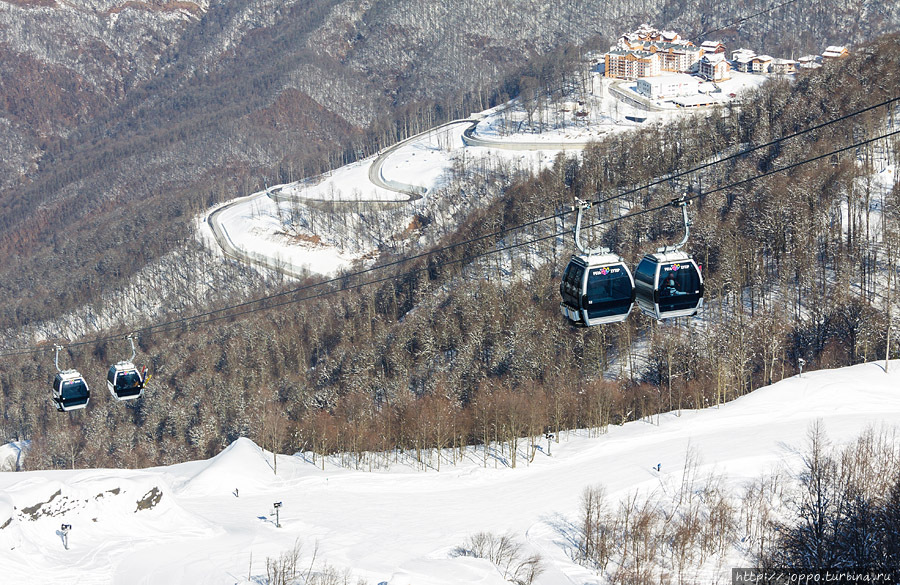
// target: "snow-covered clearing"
[[209, 522]]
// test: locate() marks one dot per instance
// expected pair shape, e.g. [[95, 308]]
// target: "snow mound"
[[10, 531], [243, 465], [448, 572], [821, 393], [98, 505]]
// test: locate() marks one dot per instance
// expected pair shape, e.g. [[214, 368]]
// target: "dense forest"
[[466, 346]]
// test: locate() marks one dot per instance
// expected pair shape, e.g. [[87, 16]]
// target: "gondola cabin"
[[125, 381], [70, 391], [596, 289], [668, 285]]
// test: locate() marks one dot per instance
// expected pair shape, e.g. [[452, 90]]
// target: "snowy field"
[[210, 522]]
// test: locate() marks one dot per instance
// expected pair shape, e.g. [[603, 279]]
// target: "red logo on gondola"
[[676, 267], [604, 271]]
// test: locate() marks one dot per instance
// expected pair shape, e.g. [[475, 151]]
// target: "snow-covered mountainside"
[[211, 521], [112, 109]]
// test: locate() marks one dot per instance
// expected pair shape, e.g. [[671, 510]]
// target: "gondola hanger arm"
[[681, 202], [581, 206]]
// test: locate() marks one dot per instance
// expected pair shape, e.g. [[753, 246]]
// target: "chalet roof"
[[713, 58], [625, 53], [835, 52], [681, 46], [763, 58], [711, 44]]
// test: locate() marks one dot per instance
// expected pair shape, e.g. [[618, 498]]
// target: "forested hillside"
[[141, 114], [467, 349]]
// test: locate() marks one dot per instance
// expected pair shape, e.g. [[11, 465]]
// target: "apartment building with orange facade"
[[631, 64], [648, 52]]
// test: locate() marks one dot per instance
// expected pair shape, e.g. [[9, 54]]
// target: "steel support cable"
[[559, 234], [229, 313], [745, 151], [21, 351], [744, 19]]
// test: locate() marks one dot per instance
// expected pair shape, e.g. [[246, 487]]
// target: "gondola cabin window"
[[609, 291], [679, 286]]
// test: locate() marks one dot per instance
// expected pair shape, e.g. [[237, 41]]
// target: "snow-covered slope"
[[209, 521]]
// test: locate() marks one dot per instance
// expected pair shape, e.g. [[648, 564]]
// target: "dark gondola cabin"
[[125, 381], [596, 290], [70, 391], [668, 285]]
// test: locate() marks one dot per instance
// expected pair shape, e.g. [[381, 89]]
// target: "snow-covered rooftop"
[[834, 52], [673, 78], [714, 57]]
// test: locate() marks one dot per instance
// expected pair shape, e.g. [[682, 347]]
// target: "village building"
[[675, 57], [667, 86], [761, 64], [784, 66], [629, 58], [695, 101], [671, 53], [631, 64], [646, 33], [742, 60], [712, 47], [714, 67], [809, 62], [834, 52]]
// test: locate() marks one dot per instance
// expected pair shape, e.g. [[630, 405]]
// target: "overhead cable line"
[[747, 151], [22, 351], [229, 313], [495, 234], [743, 19]]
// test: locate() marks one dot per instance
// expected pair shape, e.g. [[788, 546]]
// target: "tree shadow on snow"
[[568, 534]]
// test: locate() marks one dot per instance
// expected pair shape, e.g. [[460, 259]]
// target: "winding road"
[[231, 250], [407, 193]]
